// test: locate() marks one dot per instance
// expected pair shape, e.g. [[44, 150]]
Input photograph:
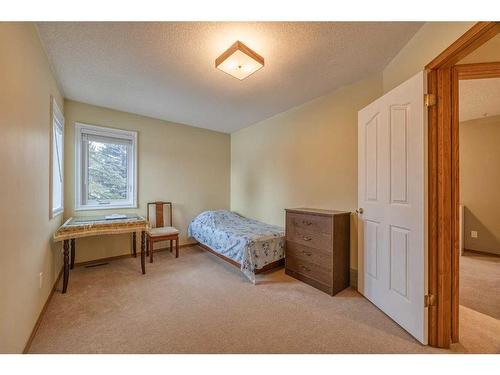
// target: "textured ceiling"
[[479, 98], [166, 69]]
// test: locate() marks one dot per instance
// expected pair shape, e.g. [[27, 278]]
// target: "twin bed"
[[251, 245]]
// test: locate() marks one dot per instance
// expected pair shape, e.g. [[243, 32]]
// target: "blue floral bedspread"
[[249, 242]]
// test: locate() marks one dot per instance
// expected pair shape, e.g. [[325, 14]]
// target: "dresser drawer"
[[310, 239], [309, 269], [311, 223], [308, 254]]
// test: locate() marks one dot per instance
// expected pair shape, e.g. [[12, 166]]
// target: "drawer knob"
[[305, 268], [306, 253], [306, 222], [305, 238]]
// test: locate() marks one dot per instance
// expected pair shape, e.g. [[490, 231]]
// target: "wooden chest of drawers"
[[317, 248]]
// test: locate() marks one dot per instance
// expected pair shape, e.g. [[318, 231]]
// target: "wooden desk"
[[95, 226]]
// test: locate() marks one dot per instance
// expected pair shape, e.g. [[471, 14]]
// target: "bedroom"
[[149, 105]]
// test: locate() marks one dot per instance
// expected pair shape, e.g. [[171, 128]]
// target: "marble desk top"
[[97, 225]]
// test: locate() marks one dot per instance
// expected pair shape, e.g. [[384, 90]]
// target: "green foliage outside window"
[[107, 171]]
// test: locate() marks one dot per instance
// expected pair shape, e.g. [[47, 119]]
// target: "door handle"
[[360, 211]]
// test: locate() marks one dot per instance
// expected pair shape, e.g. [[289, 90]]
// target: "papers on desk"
[[115, 217]]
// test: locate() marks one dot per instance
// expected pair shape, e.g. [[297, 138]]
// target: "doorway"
[[479, 212], [444, 73]]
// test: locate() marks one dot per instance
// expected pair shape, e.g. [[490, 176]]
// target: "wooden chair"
[[160, 232]]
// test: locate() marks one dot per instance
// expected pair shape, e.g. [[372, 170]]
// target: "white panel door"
[[392, 188]]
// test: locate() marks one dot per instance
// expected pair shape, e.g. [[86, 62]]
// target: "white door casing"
[[392, 191]]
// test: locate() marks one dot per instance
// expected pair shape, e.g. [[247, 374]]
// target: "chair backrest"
[[159, 214]]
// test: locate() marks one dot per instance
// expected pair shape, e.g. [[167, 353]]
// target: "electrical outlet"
[[40, 280], [473, 233]]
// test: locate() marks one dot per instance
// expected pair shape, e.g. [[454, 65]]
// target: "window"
[[105, 168], [57, 161]]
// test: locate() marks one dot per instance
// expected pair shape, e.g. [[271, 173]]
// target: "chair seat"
[[162, 231]]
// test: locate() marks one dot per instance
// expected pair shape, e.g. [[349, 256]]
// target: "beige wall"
[[428, 42], [480, 182], [25, 231], [186, 165], [304, 157]]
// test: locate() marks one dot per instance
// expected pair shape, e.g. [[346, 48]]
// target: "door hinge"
[[430, 300], [429, 100]]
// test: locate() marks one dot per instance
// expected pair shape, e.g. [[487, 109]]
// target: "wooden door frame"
[[443, 184]]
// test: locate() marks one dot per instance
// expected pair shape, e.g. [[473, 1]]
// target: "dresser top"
[[317, 211]]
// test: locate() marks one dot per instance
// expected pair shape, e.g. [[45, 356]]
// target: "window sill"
[[56, 213], [105, 207]]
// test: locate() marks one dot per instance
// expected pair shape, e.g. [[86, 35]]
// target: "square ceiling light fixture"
[[239, 61]]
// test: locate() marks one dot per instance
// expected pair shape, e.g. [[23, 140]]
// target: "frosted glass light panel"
[[239, 61]]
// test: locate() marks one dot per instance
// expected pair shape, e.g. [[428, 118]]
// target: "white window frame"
[[57, 123], [81, 131]]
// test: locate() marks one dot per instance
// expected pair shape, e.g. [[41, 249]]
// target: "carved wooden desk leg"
[[134, 244], [72, 253], [150, 246], [143, 252], [177, 247], [171, 243], [66, 266]]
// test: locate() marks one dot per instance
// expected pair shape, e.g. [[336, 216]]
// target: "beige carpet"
[[199, 304], [480, 283]]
